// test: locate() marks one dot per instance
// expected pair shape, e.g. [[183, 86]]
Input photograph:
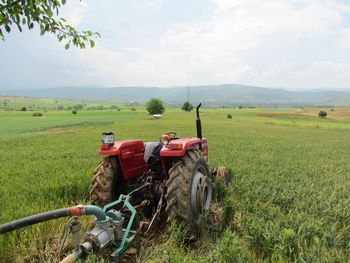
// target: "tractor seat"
[[152, 151]]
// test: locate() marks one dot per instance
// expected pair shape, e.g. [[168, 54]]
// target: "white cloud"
[[344, 41], [245, 41], [74, 12]]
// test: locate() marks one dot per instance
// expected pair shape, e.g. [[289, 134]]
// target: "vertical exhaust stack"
[[199, 125]]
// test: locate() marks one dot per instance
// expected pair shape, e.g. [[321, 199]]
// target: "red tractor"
[[170, 176]]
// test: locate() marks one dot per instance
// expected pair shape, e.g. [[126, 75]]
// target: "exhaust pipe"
[[199, 124]]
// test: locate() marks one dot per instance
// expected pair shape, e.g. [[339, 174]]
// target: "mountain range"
[[211, 95]]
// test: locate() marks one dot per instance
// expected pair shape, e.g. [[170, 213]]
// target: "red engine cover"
[[130, 154]]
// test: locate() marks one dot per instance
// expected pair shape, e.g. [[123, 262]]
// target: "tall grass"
[[288, 199]]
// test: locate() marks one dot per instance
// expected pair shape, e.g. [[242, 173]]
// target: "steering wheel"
[[172, 134]]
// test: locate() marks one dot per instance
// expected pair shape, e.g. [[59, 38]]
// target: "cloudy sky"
[[293, 44]]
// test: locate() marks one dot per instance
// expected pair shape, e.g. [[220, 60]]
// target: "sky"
[[292, 44]]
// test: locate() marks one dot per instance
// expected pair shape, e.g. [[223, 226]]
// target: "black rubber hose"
[[34, 219]]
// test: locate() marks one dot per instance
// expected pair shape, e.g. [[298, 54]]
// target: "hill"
[[212, 95]]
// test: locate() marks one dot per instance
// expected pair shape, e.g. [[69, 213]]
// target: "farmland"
[[288, 199]]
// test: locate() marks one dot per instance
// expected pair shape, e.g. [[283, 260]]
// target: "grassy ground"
[[16, 103], [288, 199]]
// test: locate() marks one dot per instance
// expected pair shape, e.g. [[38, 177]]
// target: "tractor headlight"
[[108, 138]]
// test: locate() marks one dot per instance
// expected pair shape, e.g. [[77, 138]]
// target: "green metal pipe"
[[96, 211]]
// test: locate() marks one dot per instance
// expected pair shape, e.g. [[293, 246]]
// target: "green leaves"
[[45, 14]]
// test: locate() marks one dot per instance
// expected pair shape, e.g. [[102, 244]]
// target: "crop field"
[[17, 102], [288, 199]]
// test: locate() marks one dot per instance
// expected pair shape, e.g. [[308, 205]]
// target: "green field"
[[288, 199], [10, 103]]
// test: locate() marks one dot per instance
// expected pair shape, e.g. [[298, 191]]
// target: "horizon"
[[95, 86]]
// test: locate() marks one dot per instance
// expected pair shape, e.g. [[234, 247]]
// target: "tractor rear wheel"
[[189, 190], [106, 183]]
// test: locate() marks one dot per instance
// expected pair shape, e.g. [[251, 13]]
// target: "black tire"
[[179, 196], [107, 182]]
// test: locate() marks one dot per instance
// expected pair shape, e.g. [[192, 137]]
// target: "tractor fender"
[[130, 154], [179, 147]]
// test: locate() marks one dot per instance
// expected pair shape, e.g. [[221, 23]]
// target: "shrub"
[[114, 107], [23, 109], [187, 106], [322, 114], [229, 116], [37, 114], [74, 112], [133, 109], [60, 107], [155, 106], [78, 106]]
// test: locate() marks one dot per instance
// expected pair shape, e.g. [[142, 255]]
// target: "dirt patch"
[[283, 115], [336, 114]]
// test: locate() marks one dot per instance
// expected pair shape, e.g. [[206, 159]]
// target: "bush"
[[155, 106], [78, 106], [187, 106], [23, 109], [229, 116], [37, 114], [74, 112], [240, 107], [114, 107], [133, 109], [60, 107], [322, 114]]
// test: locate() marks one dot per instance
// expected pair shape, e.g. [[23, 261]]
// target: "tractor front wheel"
[[189, 190]]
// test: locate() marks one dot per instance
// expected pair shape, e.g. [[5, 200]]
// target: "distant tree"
[[74, 112], [229, 116], [187, 106], [155, 106], [240, 107], [60, 107], [44, 14], [23, 109], [133, 109], [322, 114], [114, 107], [78, 106]]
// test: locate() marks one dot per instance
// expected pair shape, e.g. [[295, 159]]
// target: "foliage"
[[23, 109], [133, 109], [322, 114], [78, 106], [37, 114], [115, 107], [187, 106], [60, 107], [43, 13], [74, 112], [229, 116], [155, 106]]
